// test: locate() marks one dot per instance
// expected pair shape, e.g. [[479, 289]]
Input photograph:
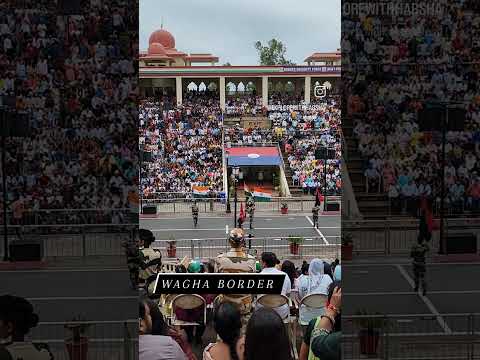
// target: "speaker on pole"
[[69, 7], [149, 210], [23, 250]]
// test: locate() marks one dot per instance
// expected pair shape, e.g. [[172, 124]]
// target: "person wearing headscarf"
[[337, 273], [317, 282]]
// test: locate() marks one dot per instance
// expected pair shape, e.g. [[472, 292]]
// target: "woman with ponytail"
[[227, 324]]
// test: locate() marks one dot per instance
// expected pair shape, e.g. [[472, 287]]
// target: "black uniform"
[[417, 254]]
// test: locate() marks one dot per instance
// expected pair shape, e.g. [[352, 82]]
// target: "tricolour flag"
[[200, 191], [261, 194]]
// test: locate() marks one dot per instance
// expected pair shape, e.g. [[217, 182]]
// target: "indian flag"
[[261, 194], [200, 191], [247, 190]]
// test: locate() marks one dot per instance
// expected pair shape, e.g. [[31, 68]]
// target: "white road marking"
[[220, 229], [318, 231], [427, 301]]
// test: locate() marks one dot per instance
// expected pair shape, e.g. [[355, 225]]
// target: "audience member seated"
[[155, 347], [317, 282], [227, 324], [269, 262]]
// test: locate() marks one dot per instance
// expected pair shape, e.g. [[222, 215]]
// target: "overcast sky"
[[229, 29]]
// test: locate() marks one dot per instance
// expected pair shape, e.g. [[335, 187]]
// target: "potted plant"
[[369, 326], [294, 242], [172, 247], [347, 246], [77, 344], [284, 208]]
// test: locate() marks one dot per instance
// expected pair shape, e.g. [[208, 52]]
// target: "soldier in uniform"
[[16, 320], [417, 254], [150, 259], [236, 260], [251, 210], [195, 214], [315, 211], [132, 251]]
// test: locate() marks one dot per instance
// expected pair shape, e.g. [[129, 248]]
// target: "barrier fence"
[[396, 237], [210, 248], [75, 240], [73, 216], [419, 336], [207, 205], [106, 339]]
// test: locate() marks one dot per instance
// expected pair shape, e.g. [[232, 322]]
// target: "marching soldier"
[[251, 210], [236, 260], [417, 254], [315, 211], [195, 214]]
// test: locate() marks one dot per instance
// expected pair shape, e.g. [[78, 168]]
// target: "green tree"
[[273, 53], [227, 64]]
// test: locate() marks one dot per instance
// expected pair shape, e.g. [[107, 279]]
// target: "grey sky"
[[229, 29]]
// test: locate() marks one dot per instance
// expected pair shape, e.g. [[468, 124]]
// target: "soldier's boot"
[[424, 287]]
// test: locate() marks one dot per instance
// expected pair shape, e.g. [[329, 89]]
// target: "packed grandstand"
[[420, 66], [186, 142]]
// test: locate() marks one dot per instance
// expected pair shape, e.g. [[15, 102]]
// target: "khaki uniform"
[[148, 255], [236, 261], [418, 253], [25, 351]]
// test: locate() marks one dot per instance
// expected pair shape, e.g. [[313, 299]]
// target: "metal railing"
[[412, 336], [75, 216], [396, 237], [207, 205], [312, 247], [75, 240], [106, 339]]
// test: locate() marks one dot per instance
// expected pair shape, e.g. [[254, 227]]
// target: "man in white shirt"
[[269, 260]]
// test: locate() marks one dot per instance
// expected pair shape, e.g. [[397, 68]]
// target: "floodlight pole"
[[442, 247], [4, 188]]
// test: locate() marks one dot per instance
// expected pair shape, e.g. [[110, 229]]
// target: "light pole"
[[140, 191], [235, 172], [4, 186]]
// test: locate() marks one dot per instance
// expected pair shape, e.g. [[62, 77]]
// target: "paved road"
[[269, 233], [388, 289], [60, 295]]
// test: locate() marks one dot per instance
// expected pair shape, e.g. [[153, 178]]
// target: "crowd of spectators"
[[74, 80], [262, 334], [424, 59], [185, 144], [301, 133], [248, 105]]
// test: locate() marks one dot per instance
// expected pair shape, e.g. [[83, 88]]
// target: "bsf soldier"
[[18, 318], [417, 254], [150, 259], [251, 211], [236, 260], [315, 211], [132, 251], [195, 214]]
